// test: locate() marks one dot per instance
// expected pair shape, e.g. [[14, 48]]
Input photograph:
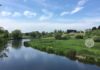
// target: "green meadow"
[[62, 47]]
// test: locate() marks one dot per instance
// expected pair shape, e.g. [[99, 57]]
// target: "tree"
[[98, 27], [35, 34], [94, 28], [79, 36], [1, 30], [58, 36], [3, 33], [6, 34], [16, 34], [88, 33], [43, 34]]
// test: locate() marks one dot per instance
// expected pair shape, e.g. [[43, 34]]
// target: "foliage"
[[58, 36], [35, 34], [99, 27], [71, 53], [65, 37], [3, 33], [16, 34], [92, 33], [97, 38], [79, 36], [94, 28]]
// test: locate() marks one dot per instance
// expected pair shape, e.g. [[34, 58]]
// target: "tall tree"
[[16, 34]]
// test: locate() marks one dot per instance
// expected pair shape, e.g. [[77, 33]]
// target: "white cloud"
[[26, 26], [5, 13], [29, 13], [46, 16], [79, 7], [17, 14], [64, 13]]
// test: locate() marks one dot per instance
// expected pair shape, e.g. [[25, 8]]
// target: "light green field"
[[61, 47]]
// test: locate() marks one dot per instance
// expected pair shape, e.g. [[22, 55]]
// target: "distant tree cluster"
[[3, 33], [96, 28], [57, 34], [94, 33], [61, 35]]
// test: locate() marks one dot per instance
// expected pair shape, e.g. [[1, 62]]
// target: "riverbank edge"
[[71, 55]]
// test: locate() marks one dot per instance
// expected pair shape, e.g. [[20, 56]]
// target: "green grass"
[[63, 46], [72, 48]]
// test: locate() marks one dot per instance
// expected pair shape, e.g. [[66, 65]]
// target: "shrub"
[[79, 37], [97, 39], [49, 49], [58, 36], [71, 53], [65, 37], [90, 60]]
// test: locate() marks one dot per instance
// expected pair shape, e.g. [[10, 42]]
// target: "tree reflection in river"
[[8, 49], [3, 46], [16, 43]]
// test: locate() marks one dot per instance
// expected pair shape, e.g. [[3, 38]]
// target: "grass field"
[[62, 47]]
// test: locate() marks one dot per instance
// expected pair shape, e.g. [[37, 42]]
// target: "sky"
[[48, 15]]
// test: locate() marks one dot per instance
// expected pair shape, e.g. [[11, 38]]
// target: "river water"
[[15, 56]]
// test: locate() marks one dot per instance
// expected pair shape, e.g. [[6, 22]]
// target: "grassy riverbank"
[[72, 48], [63, 47]]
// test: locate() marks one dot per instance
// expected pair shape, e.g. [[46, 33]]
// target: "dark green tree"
[[6, 34], [94, 28], [35, 34], [98, 27], [16, 34]]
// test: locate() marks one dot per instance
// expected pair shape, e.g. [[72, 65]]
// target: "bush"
[[97, 39], [90, 59], [65, 37], [60, 36], [71, 53], [49, 49], [79, 37]]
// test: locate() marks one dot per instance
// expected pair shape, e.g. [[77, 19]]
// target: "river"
[[15, 56]]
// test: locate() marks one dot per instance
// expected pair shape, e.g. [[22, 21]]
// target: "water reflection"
[[3, 46], [16, 43]]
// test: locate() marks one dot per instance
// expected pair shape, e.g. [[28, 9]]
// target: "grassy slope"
[[62, 46]]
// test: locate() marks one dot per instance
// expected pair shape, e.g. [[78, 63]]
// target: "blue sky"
[[48, 15]]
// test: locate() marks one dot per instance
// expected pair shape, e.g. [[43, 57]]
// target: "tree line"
[[57, 34]]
